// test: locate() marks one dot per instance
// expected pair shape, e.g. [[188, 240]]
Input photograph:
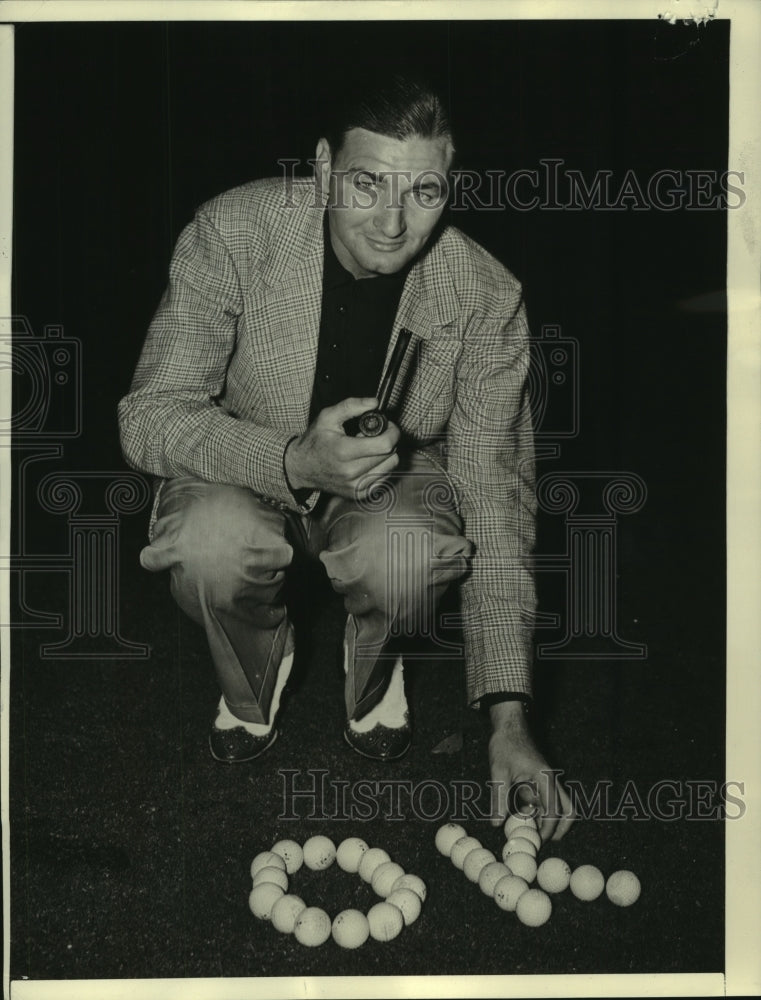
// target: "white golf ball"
[[447, 835], [386, 921], [413, 882], [516, 845], [587, 882], [262, 898], [553, 875], [461, 849], [267, 859], [285, 911], [319, 853], [527, 833], [349, 854], [312, 927], [534, 908], [522, 864], [623, 888], [490, 875], [384, 877], [508, 891], [350, 929], [408, 902], [474, 861], [370, 860], [290, 851], [271, 874], [518, 820]]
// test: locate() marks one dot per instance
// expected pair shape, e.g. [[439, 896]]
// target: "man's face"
[[385, 197]]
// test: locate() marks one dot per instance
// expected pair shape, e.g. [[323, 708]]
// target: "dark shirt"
[[355, 328]]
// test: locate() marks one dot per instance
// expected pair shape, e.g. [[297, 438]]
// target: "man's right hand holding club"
[[326, 458]]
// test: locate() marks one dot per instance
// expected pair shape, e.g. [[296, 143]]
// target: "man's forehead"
[[383, 153]]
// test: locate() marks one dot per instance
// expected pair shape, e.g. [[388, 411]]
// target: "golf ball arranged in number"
[[521, 864], [267, 859], [519, 820], [413, 882], [290, 851], [386, 921], [475, 860], [534, 908], [461, 849], [312, 927], [319, 853], [587, 882], [370, 860], [384, 877], [447, 836], [553, 875], [623, 888], [262, 898], [285, 911], [508, 891], [527, 833], [271, 874], [516, 845], [408, 902], [349, 854], [350, 929], [490, 875]]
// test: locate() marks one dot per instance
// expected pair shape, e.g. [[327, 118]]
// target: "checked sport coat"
[[225, 377]]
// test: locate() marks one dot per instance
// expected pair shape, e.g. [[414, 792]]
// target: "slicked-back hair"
[[399, 107]]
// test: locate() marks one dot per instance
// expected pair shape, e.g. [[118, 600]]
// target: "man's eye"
[[364, 181], [429, 197]]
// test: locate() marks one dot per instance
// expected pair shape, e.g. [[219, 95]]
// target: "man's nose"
[[389, 220]]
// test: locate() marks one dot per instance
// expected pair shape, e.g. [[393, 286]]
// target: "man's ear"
[[322, 165]]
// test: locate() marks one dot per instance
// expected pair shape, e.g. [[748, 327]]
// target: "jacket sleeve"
[[169, 422], [490, 457]]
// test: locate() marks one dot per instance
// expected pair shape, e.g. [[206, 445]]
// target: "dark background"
[[130, 848]]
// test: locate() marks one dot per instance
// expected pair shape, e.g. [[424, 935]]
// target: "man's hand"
[[521, 776], [326, 458]]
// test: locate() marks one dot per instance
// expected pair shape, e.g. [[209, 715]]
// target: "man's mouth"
[[385, 246]]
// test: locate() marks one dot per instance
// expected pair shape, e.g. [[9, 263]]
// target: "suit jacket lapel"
[[428, 304], [293, 274]]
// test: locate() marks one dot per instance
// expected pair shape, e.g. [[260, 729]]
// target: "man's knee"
[[398, 565], [414, 569], [218, 541]]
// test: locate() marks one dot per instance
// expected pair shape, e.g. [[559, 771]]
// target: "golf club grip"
[[375, 422]]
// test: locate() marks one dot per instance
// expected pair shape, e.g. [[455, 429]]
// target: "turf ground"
[[131, 845]]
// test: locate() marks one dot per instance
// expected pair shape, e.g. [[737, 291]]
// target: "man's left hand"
[[522, 779]]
